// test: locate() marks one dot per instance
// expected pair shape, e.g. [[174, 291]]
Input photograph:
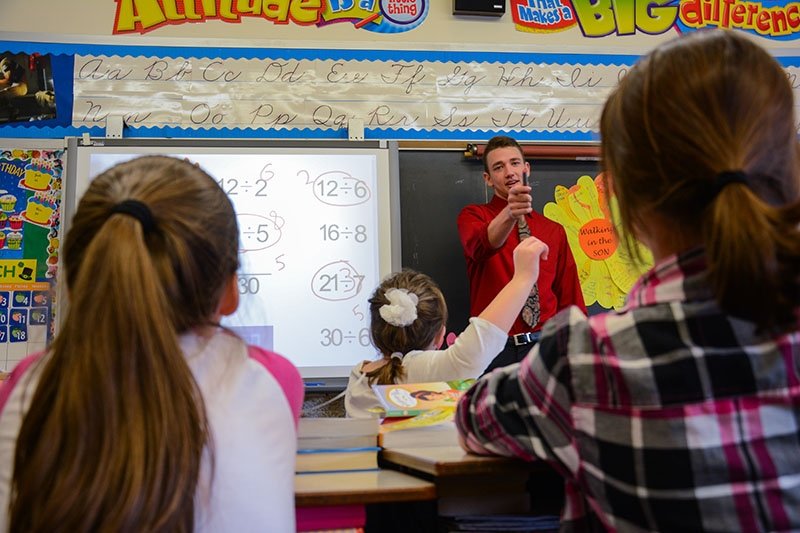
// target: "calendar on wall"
[[30, 224]]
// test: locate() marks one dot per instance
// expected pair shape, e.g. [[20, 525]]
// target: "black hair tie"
[[726, 177], [139, 211]]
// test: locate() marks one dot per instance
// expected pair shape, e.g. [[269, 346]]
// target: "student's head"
[[407, 312], [700, 139], [192, 248], [503, 164], [116, 428]]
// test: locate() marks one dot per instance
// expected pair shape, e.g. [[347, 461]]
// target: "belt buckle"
[[521, 339]]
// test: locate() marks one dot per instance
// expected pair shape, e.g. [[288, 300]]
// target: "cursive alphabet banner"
[[546, 100], [325, 94]]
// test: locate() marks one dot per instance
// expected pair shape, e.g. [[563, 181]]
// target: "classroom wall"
[[439, 76], [91, 21]]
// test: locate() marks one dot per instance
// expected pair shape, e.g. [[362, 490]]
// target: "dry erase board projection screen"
[[316, 236]]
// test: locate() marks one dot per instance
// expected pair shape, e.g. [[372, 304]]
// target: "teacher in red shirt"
[[490, 232]]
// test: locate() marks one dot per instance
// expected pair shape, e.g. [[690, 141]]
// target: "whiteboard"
[[318, 226]]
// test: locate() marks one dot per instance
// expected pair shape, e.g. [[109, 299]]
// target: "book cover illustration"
[[411, 399]]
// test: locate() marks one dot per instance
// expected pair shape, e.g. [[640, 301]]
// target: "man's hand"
[[519, 201]]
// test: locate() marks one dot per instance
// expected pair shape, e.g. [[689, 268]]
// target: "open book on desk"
[[412, 399]]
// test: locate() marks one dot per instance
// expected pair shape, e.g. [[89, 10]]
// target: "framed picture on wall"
[[27, 92]]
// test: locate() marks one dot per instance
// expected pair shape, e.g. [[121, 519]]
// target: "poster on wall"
[[777, 20], [26, 88], [30, 200], [590, 219], [379, 16]]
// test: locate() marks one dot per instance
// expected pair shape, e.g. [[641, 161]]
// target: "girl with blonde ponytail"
[[680, 411], [145, 415]]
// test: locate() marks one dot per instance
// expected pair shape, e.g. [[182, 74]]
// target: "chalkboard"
[[434, 186]]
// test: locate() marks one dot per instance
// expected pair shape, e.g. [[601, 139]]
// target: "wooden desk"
[[341, 500], [449, 461], [467, 483]]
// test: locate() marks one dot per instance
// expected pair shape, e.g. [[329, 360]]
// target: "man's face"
[[506, 167]]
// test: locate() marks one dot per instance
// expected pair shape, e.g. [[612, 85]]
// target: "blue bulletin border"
[[63, 61]]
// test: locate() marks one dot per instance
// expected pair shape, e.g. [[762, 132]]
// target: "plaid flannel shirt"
[[667, 415]]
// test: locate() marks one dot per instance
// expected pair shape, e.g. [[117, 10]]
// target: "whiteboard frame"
[[78, 150]]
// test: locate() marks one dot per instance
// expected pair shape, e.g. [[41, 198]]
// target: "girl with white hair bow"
[[408, 320]]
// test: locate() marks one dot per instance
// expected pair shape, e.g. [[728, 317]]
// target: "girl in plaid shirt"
[[680, 411]]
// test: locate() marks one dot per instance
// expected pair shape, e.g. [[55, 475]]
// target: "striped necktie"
[[530, 311]]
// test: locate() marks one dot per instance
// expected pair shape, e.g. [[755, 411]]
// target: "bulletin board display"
[[317, 230], [30, 228]]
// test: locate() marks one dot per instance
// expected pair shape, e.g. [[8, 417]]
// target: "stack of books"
[[337, 445]]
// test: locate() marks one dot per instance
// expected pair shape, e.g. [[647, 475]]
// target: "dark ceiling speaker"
[[491, 8]]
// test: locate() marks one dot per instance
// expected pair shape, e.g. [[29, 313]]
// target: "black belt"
[[521, 339]]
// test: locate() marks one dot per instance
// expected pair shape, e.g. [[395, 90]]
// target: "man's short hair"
[[499, 141]]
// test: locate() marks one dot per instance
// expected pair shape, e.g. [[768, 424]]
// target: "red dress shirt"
[[490, 269]]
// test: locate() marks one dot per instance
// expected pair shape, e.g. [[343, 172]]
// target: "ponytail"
[[388, 374], [117, 379], [117, 428], [753, 252]]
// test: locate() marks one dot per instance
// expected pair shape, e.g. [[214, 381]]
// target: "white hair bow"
[[401, 309]]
